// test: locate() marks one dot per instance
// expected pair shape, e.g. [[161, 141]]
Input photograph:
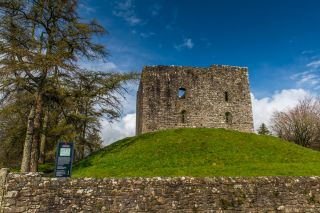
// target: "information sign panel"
[[64, 158]]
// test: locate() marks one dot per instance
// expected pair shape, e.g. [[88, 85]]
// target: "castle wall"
[[205, 103], [33, 193], [139, 108]]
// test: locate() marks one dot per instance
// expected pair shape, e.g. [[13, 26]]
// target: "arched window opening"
[[226, 96], [182, 93], [183, 116], [228, 118]]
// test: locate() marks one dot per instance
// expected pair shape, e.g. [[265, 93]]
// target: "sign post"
[[64, 158]]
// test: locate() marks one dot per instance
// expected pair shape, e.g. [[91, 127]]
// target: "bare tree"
[[300, 124]]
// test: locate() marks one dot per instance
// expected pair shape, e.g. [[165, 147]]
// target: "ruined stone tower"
[[175, 97]]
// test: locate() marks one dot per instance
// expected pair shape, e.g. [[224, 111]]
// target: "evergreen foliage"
[[41, 44], [263, 130]]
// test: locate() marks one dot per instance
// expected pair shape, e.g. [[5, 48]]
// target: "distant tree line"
[[45, 95]]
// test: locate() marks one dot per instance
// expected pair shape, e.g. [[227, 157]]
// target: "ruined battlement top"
[[159, 68]]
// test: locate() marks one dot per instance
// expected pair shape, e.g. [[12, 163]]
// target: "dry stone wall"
[[3, 177], [33, 193], [210, 94]]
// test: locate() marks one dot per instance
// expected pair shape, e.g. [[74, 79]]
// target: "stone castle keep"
[[174, 97]]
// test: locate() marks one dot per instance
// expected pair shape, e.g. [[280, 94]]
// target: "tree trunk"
[[43, 138], [25, 164], [36, 136]]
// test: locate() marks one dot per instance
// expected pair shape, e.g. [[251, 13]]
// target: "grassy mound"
[[200, 152]]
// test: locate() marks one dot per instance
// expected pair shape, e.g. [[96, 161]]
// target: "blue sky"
[[278, 40]]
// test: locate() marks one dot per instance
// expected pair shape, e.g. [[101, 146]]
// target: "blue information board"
[[64, 158]]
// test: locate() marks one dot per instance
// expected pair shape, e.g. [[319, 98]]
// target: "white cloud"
[[110, 66], [307, 78], [155, 9], [314, 64], [263, 108], [112, 132], [86, 9], [187, 43], [99, 66], [310, 78], [126, 10], [129, 103], [125, 127], [147, 35], [307, 52]]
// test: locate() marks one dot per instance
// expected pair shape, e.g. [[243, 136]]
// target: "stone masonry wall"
[[33, 193], [205, 104], [3, 176]]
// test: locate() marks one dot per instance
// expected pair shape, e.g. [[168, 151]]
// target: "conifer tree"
[[41, 42], [263, 130]]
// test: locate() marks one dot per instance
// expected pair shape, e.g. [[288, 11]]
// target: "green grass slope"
[[200, 152]]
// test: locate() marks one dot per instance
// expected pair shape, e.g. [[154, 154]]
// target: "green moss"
[[200, 152], [47, 169]]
